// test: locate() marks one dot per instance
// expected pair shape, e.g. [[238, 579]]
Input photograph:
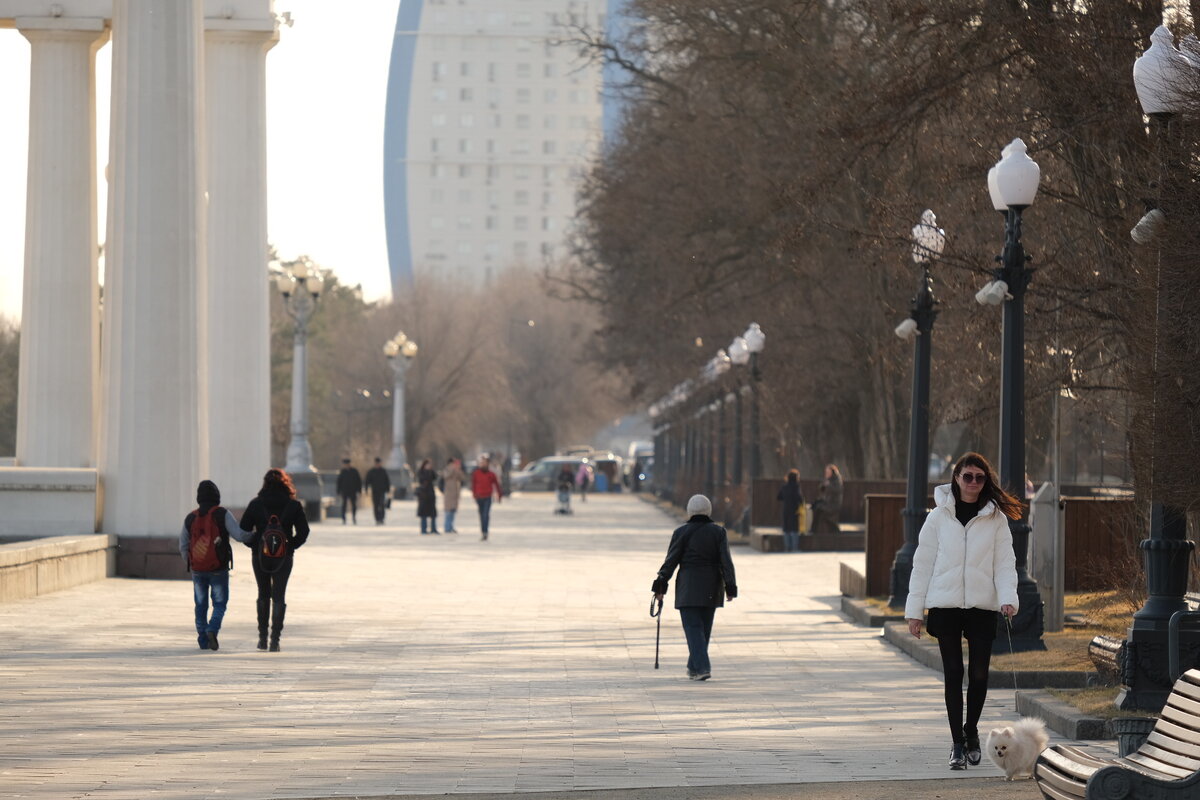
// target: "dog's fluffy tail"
[[1035, 729]]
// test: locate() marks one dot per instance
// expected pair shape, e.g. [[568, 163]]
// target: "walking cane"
[[656, 604]]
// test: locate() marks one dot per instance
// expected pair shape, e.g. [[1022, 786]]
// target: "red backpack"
[[274, 545], [207, 549]]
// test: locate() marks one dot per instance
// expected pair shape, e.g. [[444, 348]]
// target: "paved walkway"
[[434, 664]]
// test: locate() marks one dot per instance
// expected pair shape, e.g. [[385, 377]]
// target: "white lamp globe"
[[391, 349], [905, 330], [739, 352], [1017, 176], [1161, 73], [928, 239], [755, 338], [284, 283], [722, 362], [409, 349]]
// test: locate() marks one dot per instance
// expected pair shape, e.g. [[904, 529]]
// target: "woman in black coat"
[[700, 549], [276, 503], [792, 499], [426, 497]]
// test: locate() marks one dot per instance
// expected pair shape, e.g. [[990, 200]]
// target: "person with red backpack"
[[204, 545], [279, 528]]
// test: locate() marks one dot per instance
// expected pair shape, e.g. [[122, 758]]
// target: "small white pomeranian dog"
[[1015, 748]]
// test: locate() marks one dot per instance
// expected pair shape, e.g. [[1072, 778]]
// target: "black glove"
[[659, 586], [731, 591]]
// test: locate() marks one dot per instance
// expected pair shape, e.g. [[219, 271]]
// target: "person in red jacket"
[[484, 484]]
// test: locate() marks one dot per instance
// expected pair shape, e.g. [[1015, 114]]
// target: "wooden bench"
[[1166, 766]]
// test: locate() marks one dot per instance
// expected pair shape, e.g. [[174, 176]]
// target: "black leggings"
[[273, 585], [979, 628]]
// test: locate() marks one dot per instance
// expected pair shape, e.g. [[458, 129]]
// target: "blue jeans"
[[697, 628], [449, 520], [218, 584], [485, 508], [791, 541]]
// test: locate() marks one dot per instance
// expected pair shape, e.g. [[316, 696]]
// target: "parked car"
[[542, 475]]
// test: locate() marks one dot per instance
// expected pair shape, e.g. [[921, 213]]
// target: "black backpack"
[[273, 545]]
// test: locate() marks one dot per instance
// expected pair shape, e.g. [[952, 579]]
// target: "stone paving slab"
[[425, 665]]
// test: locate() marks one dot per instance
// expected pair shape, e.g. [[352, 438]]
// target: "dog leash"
[[1008, 630], [656, 612]]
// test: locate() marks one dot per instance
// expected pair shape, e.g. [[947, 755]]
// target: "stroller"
[[564, 495]]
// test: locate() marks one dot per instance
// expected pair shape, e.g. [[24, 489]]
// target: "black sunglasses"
[[973, 477]]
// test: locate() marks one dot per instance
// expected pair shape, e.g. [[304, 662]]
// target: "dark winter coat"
[[378, 481], [700, 549], [349, 482], [426, 497], [291, 518], [792, 498]]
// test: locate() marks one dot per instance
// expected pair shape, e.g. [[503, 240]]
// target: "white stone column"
[[238, 300], [56, 395], [154, 434]]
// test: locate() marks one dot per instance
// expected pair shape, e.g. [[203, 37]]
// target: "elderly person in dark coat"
[[700, 549]]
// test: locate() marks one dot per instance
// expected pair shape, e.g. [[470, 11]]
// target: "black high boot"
[[264, 616], [277, 625]]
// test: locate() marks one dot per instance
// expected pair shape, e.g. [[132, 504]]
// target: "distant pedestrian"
[[827, 508], [583, 479], [964, 571], [274, 515], [427, 497], [636, 477], [349, 487], [380, 484], [452, 483], [204, 545], [484, 485], [700, 549], [793, 506]]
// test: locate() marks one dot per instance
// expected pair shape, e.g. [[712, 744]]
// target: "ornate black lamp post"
[[928, 241], [1160, 76], [1013, 184]]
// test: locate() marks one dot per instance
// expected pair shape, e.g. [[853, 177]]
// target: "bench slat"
[[1186, 689], [1166, 735], [1068, 765], [1185, 724], [1168, 755], [1055, 784], [1165, 770], [1185, 704], [1080, 757]]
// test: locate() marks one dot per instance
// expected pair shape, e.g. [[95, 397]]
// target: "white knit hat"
[[698, 504]]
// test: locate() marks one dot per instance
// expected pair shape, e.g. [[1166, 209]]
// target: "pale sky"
[[326, 87]]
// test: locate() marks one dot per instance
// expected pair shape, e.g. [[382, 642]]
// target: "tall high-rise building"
[[492, 117]]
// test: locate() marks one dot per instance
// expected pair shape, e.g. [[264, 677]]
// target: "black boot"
[[277, 625], [264, 617]]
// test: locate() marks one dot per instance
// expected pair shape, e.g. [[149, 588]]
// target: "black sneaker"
[[957, 758], [212, 641], [974, 754]]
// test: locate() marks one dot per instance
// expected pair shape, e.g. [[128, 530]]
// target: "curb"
[[866, 615], [1061, 717]]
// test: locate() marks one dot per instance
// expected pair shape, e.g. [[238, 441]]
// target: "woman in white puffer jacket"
[[964, 571]]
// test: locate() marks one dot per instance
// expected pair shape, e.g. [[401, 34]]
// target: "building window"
[[547, 249], [464, 69], [524, 71], [439, 95], [547, 198], [524, 172], [465, 95], [521, 147], [496, 121], [464, 170], [575, 96], [464, 248], [550, 96], [548, 174], [464, 146], [437, 196], [523, 20], [437, 170], [524, 95], [493, 172], [494, 96], [523, 121], [439, 120], [433, 146], [464, 196], [520, 249], [521, 198], [464, 223], [491, 222], [466, 120], [547, 223], [548, 71], [437, 223], [491, 146], [521, 223], [493, 71], [548, 147], [439, 70], [550, 122]]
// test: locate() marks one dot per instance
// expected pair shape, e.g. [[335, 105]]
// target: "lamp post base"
[[1027, 625], [309, 489]]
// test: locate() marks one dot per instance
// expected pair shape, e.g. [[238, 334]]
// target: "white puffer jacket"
[[962, 567]]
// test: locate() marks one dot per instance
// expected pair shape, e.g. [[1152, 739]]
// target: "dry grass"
[[1098, 702]]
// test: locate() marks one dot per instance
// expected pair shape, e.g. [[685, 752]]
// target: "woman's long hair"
[[1009, 506], [426, 464], [276, 481]]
